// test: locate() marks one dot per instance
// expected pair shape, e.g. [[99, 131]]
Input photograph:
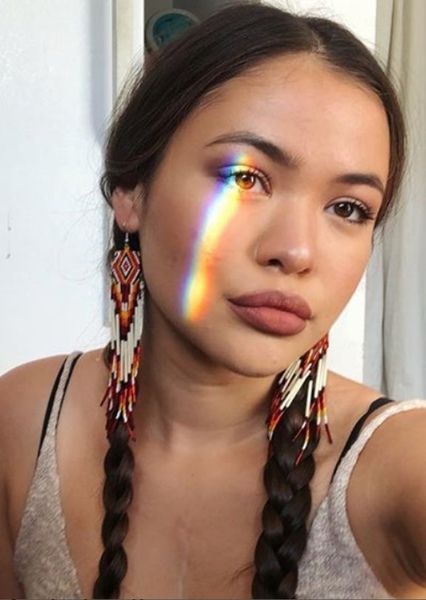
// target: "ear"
[[126, 205]]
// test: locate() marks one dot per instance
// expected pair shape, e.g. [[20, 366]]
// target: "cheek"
[[183, 243], [208, 252], [344, 275], [165, 236]]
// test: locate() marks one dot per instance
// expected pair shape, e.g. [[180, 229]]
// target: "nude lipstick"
[[272, 311]]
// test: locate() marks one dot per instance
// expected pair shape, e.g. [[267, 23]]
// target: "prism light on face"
[[219, 210]]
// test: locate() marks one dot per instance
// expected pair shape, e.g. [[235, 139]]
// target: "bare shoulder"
[[387, 466], [25, 390], [24, 395], [22, 402], [391, 463]]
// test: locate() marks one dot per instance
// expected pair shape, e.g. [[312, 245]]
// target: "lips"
[[272, 312]]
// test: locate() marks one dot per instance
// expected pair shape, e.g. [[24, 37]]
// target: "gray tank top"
[[332, 566]]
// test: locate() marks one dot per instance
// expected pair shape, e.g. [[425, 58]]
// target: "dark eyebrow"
[[291, 161], [276, 154], [369, 179]]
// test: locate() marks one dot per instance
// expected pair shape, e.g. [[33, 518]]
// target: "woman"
[[250, 165]]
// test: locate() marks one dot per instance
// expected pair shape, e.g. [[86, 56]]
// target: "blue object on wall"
[[164, 27]]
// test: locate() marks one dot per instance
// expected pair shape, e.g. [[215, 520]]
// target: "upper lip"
[[276, 299]]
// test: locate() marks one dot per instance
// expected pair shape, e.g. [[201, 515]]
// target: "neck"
[[186, 401]]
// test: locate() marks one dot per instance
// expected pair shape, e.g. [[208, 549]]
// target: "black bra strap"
[[358, 425], [52, 398]]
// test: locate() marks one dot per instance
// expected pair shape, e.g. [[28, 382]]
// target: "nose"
[[288, 242]]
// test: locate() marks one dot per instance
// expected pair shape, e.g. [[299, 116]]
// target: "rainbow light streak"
[[217, 214]]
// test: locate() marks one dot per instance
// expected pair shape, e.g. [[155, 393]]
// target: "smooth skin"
[[204, 384]]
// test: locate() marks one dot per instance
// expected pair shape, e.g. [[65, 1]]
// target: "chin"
[[256, 357], [257, 367]]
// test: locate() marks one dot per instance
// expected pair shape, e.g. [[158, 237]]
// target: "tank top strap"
[[358, 426], [56, 398]]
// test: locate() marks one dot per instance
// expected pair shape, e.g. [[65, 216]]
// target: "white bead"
[[308, 398]]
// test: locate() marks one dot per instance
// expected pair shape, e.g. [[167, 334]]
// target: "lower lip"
[[270, 320]]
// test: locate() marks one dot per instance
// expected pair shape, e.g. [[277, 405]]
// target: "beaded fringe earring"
[[126, 316], [310, 368]]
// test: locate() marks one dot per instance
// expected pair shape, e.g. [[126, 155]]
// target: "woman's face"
[[264, 188]]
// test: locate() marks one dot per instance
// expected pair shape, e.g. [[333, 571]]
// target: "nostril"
[[274, 262]]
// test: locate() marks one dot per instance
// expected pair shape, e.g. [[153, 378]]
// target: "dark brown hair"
[[159, 98]]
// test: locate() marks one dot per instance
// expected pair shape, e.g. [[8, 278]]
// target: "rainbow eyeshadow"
[[218, 211]]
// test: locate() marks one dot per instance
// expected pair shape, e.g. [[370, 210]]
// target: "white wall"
[[56, 90], [55, 86]]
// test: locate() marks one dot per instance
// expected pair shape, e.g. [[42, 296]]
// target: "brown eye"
[[345, 209], [245, 180], [350, 208]]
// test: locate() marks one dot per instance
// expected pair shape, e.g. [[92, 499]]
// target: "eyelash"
[[229, 172], [367, 214]]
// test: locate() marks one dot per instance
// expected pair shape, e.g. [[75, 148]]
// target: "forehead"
[[302, 104]]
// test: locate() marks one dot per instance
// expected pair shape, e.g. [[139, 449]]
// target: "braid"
[[117, 497], [283, 540]]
